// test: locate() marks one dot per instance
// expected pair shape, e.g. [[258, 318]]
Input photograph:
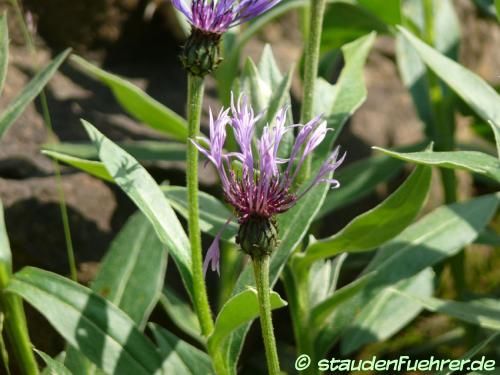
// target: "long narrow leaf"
[[138, 184], [138, 103], [472, 161], [30, 91], [481, 97], [374, 227], [102, 332]]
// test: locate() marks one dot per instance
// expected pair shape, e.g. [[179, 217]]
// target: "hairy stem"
[[261, 273], [195, 99], [311, 62]]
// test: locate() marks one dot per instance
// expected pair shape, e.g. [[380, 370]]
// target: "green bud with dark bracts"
[[201, 54], [258, 236]]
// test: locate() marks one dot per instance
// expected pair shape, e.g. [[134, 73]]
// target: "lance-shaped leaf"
[[4, 49], [239, 309], [360, 178], [481, 97], [132, 272], [380, 224], [181, 313], [131, 276], [338, 102], [435, 237], [30, 92], [94, 168], [475, 312], [472, 161], [178, 356], [142, 189], [54, 367], [136, 102], [387, 314], [141, 150], [102, 332]]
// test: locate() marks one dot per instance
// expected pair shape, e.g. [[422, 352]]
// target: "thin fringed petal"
[[212, 257], [213, 253], [183, 8]]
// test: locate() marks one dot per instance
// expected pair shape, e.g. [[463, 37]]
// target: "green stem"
[[48, 123], [195, 99], [16, 327], [261, 273], [311, 62]]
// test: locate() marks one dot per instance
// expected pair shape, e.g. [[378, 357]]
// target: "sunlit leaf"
[[239, 309], [472, 161], [139, 104], [142, 189], [101, 331], [376, 226]]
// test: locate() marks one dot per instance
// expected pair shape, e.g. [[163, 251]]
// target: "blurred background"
[[141, 40]]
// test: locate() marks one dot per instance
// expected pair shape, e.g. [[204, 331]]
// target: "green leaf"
[[132, 273], [54, 367], [497, 7], [4, 49], [477, 313], [94, 168], [30, 91], [178, 356], [380, 224], [239, 309], [139, 104], [481, 97], [472, 161], [385, 315], [415, 76], [102, 332], [344, 22], [142, 189], [213, 213], [338, 102], [387, 11], [437, 236], [141, 150], [181, 313], [323, 278], [358, 180]]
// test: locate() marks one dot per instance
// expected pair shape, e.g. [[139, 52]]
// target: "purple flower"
[[217, 16], [262, 186]]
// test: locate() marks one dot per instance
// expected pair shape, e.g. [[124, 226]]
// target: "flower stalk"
[[261, 273], [195, 99], [311, 62]]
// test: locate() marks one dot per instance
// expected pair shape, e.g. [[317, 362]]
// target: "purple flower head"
[[262, 184], [217, 16]]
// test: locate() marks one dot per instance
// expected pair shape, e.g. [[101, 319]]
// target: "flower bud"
[[201, 53], [258, 236]]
